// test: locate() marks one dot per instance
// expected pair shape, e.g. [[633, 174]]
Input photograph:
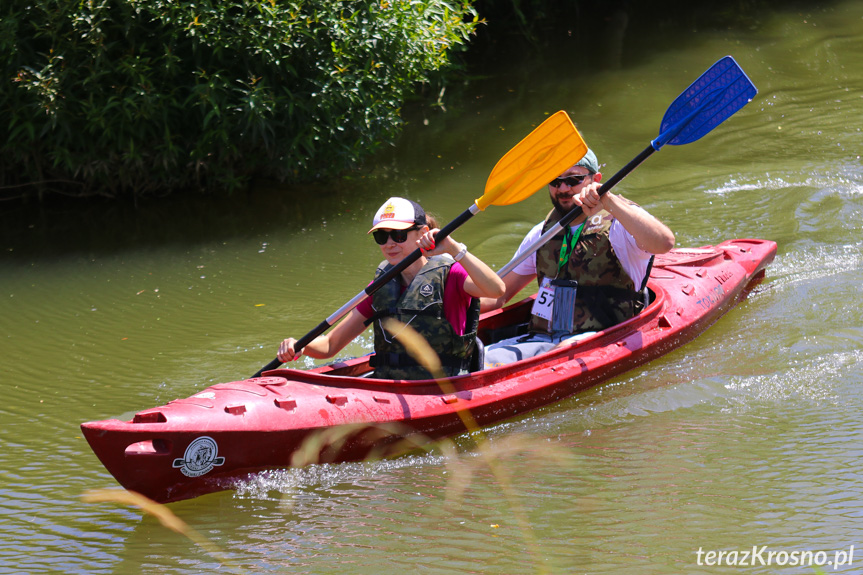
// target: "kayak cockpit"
[[494, 326], [679, 270]]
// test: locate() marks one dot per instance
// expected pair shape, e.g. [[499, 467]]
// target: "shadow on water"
[[61, 227]]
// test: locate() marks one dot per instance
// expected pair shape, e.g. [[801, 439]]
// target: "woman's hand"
[[428, 244], [287, 351]]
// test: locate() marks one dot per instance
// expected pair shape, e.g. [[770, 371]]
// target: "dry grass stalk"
[[418, 348]]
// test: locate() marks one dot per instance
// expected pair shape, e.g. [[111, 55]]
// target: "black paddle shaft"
[[377, 284]]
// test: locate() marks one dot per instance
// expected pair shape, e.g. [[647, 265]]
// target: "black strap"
[[393, 311], [472, 319], [404, 360], [594, 298], [592, 293], [647, 274]]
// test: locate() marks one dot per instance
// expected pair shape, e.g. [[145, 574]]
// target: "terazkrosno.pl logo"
[[200, 457]]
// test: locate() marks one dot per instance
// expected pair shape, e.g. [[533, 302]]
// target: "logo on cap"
[[389, 212]]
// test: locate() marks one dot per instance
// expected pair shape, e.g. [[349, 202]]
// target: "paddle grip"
[[625, 170]]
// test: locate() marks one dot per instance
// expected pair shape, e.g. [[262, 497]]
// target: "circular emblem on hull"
[[200, 457]]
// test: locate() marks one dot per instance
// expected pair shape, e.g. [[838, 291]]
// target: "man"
[[591, 276]]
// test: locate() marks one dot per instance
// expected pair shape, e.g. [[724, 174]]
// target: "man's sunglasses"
[[398, 236], [570, 181]]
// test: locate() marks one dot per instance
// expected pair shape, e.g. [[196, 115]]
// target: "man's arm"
[[650, 234]]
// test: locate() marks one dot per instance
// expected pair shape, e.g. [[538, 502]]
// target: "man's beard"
[[560, 209]]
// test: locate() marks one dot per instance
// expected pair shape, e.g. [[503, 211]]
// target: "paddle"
[[713, 98], [547, 151]]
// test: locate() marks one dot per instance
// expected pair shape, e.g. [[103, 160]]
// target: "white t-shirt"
[[633, 259]]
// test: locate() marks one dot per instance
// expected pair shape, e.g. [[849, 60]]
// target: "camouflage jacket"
[[605, 293], [421, 307]]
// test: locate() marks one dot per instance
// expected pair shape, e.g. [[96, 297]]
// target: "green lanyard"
[[569, 241]]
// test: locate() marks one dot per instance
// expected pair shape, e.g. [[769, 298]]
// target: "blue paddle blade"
[[713, 98]]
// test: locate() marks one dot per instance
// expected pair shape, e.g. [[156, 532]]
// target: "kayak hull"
[[289, 418]]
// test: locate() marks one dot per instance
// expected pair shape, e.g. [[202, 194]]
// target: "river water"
[[745, 437]]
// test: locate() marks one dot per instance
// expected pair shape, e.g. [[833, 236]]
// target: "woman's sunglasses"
[[398, 236], [570, 181]]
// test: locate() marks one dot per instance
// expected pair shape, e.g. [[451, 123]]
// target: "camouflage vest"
[[421, 307], [606, 294]]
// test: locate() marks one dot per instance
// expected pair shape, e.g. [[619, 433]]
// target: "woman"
[[437, 295]]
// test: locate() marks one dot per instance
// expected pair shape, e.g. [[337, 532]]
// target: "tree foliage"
[[124, 97]]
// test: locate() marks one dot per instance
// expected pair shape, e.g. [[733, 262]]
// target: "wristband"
[[461, 253]]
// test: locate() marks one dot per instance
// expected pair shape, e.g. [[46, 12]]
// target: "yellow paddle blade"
[[544, 154]]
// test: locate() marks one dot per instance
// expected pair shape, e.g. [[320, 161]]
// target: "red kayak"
[[209, 441]]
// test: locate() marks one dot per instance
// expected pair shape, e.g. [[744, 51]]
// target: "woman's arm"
[[329, 344]]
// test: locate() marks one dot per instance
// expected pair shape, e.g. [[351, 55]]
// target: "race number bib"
[[544, 303]]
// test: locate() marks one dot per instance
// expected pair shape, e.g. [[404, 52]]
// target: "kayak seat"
[[477, 358], [506, 332]]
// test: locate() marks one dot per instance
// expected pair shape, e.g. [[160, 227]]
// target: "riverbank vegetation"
[[124, 98], [131, 97]]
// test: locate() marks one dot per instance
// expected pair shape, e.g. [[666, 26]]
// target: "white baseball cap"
[[398, 214]]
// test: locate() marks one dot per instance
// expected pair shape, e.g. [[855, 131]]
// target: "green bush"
[[127, 97]]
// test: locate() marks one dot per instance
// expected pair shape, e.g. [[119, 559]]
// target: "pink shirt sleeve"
[[455, 299], [365, 307]]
